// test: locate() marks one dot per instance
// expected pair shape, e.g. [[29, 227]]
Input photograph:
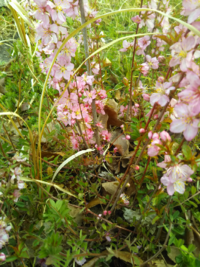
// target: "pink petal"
[[190, 132], [170, 189], [164, 99], [177, 126], [194, 15]]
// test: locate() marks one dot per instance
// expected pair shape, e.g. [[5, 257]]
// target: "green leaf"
[[176, 214], [11, 258], [187, 152], [193, 190], [104, 226], [155, 219]]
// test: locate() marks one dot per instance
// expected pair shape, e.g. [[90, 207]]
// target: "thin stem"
[[132, 65]]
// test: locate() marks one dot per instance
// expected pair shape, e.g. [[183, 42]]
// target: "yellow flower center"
[[63, 68], [183, 54], [59, 8], [77, 112], [159, 90]]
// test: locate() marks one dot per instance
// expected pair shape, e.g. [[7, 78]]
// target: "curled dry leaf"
[[118, 140]]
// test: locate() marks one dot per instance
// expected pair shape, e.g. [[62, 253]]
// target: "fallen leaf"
[[125, 256], [110, 187], [112, 117], [161, 263], [94, 203], [174, 252], [75, 213]]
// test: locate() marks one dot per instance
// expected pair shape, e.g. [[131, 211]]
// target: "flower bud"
[[190, 180], [161, 59], [146, 97], [161, 79], [105, 212], [165, 136], [2, 257], [150, 134], [137, 168], [128, 137], [155, 116], [142, 130]]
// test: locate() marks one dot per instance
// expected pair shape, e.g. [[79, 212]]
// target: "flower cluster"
[[4, 230]]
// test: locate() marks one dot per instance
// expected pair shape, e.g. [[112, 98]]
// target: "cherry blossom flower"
[[163, 164], [143, 42], [152, 62], [89, 96], [136, 19], [106, 135], [153, 149], [161, 97], [146, 97], [144, 69], [47, 33], [191, 8], [191, 95], [175, 178], [186, 122], [63, 68], [126, 46], [57, 13], [182, 53]]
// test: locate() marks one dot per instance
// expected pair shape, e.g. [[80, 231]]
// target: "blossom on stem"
[[186, 122], [152, 62], [161, 97], [175, 178], [182, 53], [191, 8], [136, 19]]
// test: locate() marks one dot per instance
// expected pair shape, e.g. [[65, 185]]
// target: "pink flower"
[[102, 94], [143, 42], [153, 149], [182, 53], [186, 122], [128, 137], [63, 68], [89, 96], [163, 164], [48, 33], [191, 8], [2, 256], [161, 97], [144, 69], [99, 125], [126, 46], [136, 19], [57, 14], [165, 136], [191, 95], [115, 150], [109, 212], [88, 79], [152, 62], [106, 135], [175, 178]]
